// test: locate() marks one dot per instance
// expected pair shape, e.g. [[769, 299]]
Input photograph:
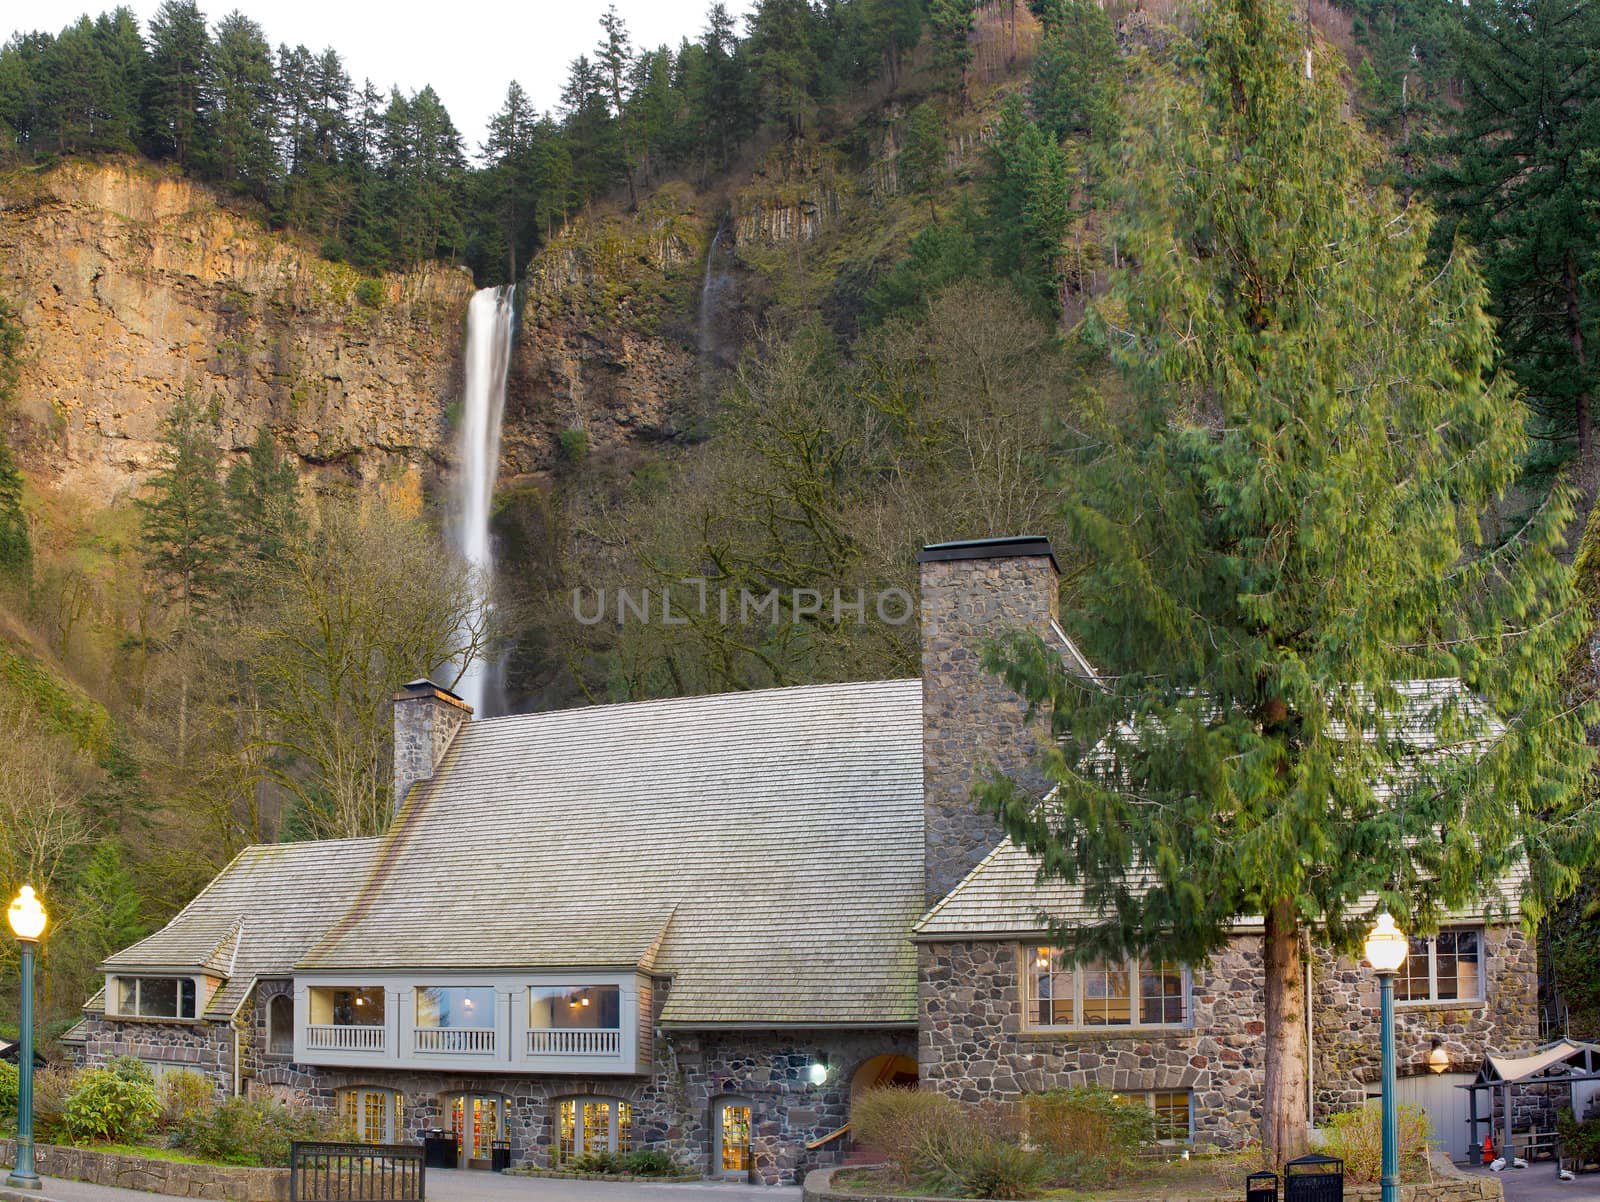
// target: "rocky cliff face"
[[134, 286]]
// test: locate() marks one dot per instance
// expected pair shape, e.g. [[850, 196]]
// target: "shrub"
[[186, 1099], [131, 1068], [8, 1088], [651, 1162], [1356, 1136], [927, 1137], [574, 444], [370, 293], [111, 1105], [1093, 1134], [596, 1162], [996, 1168], [51, 1089], [251, 1131], [1579, 1139]]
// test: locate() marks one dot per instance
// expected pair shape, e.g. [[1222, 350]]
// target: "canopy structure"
[[1555, 1065]]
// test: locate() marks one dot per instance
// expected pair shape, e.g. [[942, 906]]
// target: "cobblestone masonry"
[[174, 1179], [969, 718], [425, 720], [201, 1047], [973, 1043]]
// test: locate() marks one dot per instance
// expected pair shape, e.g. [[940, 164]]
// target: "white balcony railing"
[[561, 1041], [332, 1037], [456, 1041]]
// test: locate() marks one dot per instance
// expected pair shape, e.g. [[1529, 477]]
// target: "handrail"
[[828, 1138]]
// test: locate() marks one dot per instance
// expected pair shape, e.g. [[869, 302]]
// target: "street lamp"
[[27, 918], [1386, 952]]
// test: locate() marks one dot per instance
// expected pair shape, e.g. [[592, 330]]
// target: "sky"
[[468, 51]]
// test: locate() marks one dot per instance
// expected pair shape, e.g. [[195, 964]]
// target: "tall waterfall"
[[491, 326]]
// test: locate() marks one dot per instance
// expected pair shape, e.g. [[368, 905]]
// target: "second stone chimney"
[[426, 718], [971, 592]]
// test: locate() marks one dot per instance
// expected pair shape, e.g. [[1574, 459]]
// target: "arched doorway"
[[886, 1071], [479, 1123]]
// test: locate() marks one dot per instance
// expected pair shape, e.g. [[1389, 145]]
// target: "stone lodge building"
[[703, 925]]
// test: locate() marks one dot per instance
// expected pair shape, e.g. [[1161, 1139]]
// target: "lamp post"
[[1386, 952], [27, 918]]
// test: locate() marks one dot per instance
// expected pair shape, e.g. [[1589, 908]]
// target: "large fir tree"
[[184, 522], [1303, 510]]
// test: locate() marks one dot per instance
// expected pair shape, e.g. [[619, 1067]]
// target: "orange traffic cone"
[[1488, 1149]]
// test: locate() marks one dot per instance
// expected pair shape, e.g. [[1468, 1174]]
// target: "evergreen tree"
[[1529, 118], [921, 159], [952, 22], [890, 29], [184, 522], [263, 500], [590, 131], [783, 61], [109, 906], [613, 59], [240, 150], [716, 86], [16, 549], [1077, 76], [1029, 195], [126, 64], [510, 184], [1295, 523], [176, 106]]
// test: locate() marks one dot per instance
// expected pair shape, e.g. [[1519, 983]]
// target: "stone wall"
[[971, 720], [973, 1043], [425, 721], [171, 1178], [201, 1047]]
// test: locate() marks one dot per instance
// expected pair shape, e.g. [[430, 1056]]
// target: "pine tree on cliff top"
[[1301, 510]]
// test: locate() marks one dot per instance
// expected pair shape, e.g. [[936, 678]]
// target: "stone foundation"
[[229, 1183]]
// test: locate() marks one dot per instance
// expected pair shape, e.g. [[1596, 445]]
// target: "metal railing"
[[460, 1041], [563, 1041], [338, 1037], [326, 1172]]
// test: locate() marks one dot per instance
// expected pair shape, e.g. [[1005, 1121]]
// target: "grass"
[[1201, 1176], [151, 1153]]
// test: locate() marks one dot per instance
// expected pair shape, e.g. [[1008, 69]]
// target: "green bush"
[[111, 1105], [574, 444], [1356, 1137], [131, 1068], [932, 1140], [250, 1131], [650, 1162], [186, 1100], [1093, 1134], [1579, 1140], [996, 1168], [8, 1089], [596, 1162], [371, 293]]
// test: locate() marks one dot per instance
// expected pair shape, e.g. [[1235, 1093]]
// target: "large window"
[[156, 997], [1446, 968], [588, 1125], [373, 1116], [575, 1007], [455, 1006], [1120, 993], [347, 1007]]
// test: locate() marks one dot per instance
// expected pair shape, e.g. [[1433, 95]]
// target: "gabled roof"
[[256, 918], [763, 848]]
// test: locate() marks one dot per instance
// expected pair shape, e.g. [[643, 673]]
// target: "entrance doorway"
[[730, 1152], [881, 1072], [478, 1121]]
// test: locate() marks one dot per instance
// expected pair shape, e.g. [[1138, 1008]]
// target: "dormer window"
[[156, 997]]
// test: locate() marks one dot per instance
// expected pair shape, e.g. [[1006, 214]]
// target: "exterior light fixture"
[[817, 1074], [27, 918], [1438, 1058], [26, 915], [1386, 951]]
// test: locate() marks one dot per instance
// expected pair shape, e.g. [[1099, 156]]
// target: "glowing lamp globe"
[[1438, 1058], [1386, 945], [26, 915], [817, 1074]]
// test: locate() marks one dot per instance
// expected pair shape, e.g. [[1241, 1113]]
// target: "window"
[[346, 1006], [588, 1125], [373, 1116], [1172, 1119], [280, 1025], [575, 1007], [456, 1006], [1446, 968], [1101, 993], [156, 997]]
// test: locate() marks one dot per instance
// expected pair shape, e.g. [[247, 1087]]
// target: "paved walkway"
[[1539, 1183], [458, 1185]]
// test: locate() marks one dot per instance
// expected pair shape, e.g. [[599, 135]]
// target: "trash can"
[[500, 1155], [439, 1149], [1261, 1187], [1314, 1178]]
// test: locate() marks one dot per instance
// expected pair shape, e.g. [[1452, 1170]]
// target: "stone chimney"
[[973, 591], [426, 718]]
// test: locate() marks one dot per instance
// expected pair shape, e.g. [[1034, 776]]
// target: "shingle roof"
[[765, 848], [257, 917]]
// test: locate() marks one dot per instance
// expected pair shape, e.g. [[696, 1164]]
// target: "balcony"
[[339, 1037], [563, 1041], [454, 1041]]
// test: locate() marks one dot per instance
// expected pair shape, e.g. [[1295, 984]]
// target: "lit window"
[[455, 1006], [1445, 968], [575, 1007], [346, 1006], [592, 1125], [1104, 993], [373, 1116], [1172, 1119], [156, 997]]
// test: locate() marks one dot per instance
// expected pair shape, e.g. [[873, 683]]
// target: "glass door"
[[733, 1140], [476, 1119]]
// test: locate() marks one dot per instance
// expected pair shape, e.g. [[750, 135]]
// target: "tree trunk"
[[1284, 1118], [1575, 336]]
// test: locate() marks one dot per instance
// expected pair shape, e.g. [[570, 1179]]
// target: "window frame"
[[353, 1099], [485, 1021], [619, 1128], [1432, 941], [570, 991], [114, 996], [1135, 967], [1149, 1097]]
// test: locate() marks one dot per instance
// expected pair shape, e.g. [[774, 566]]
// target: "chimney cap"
[[1023, 546], [416, 690]]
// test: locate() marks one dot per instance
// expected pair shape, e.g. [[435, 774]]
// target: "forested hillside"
[[795, 298]]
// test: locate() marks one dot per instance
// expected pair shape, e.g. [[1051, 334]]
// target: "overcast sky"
[[467, 50]]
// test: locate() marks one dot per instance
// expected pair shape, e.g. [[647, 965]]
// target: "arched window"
[[590, 1125], [372, 1114], [280, 1025]]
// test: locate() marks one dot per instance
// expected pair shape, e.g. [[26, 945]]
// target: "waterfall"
[[491, 326], [710, 291]]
